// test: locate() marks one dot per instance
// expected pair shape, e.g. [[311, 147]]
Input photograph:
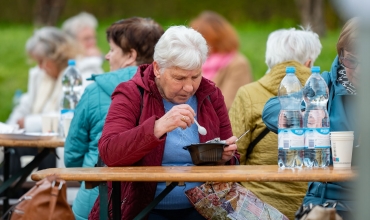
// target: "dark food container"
[[206, 154]]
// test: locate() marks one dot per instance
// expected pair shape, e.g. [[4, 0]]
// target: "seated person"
[[82, 29], [285, 47], [225, 66], [342, 81], [151, 129], [51, 49], [125, 54]]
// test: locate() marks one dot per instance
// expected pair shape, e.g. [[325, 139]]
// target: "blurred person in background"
[[51, 49], [343, 82], [131, 43], [225, 65], [82, 28], [285, 47], [151, 119]]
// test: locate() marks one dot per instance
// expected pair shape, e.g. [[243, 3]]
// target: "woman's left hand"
[[229, 150]]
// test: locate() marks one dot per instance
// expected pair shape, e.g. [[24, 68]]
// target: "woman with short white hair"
[[151, 119], [51, 49], [82, 29], [285, 47]]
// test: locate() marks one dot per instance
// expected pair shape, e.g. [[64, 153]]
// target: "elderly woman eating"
[[151, 119]]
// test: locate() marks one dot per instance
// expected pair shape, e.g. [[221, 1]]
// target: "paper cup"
[[66, 124], [50, 123], [341, 146]]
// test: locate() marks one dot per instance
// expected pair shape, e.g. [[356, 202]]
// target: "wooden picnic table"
[[10, 185], [242, 173], [177, 175]]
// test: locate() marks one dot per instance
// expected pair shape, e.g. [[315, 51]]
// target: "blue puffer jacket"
[[342, 112], [81, 146]]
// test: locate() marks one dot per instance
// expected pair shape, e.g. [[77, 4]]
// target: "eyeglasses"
[[350, 63]]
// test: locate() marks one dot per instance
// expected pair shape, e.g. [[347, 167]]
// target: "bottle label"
[[291, 139], [317, 138]]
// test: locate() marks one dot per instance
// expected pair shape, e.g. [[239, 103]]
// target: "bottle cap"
[[290, 70], [315, 69], [71, 62]]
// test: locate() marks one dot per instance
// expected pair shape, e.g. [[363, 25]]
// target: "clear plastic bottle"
[[17, 97], [316, 121], [290, 125], [72, 85]]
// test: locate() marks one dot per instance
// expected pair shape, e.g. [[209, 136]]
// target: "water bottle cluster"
[[303, 139], [72, 86]]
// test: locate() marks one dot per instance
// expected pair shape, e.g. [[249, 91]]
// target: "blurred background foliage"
[[253, 20]]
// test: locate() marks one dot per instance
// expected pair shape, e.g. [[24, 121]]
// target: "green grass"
[[14, 63]]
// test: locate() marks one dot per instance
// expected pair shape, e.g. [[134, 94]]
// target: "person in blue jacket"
[[131, 44], [342, 81]]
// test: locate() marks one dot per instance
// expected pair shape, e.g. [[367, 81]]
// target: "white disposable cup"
[[66, 124], [341, 133], [50, 123], [341, 147]]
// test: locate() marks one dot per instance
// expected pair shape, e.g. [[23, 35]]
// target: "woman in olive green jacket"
[[298, 48]]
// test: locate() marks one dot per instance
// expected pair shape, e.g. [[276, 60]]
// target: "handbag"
[[230, 200], [46, 200]]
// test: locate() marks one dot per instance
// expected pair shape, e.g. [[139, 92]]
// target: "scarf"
[[343, 80]]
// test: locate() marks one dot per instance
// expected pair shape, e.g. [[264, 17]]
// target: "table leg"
[[155, 202], [6, 171], [21, 175], [116, 200]]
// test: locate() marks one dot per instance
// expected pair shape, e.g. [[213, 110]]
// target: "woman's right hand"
[[179, 116]]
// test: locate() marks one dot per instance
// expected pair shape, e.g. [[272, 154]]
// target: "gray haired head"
[[74, 24], [292, 45], [51, 43], [181, 47]]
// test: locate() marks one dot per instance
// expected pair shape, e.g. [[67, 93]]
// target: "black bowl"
[[206, 154]]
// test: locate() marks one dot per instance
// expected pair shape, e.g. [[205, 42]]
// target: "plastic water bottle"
[[290, 125], [72, 85], [17, 97], [316, 121]]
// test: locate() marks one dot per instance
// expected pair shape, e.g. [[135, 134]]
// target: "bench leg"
[[103, 193], [155, 202], [116, 199]]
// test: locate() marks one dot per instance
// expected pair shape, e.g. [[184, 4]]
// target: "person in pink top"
[[225, 65]]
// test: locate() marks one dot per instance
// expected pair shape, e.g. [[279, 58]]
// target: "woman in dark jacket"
[[150, 129]]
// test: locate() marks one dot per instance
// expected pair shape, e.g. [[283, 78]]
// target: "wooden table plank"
[[262, 173], [50, 143]]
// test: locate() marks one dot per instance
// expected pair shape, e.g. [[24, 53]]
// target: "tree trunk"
[[312, 14], [47, 12]]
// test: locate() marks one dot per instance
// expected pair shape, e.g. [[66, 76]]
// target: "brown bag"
[[46, 200]]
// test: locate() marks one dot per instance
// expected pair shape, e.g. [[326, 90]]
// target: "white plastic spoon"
[[201, 129]]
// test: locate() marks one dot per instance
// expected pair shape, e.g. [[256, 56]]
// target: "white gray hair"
[[181, 47], [74, 24], [291, 44], [51, 43]]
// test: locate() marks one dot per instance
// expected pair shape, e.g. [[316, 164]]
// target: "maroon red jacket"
[[128, 138]]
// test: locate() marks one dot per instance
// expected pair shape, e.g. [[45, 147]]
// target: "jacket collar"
[[271, 80], [145, 78]]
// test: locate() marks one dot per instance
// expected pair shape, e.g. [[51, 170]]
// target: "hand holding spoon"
[[201, 129]]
